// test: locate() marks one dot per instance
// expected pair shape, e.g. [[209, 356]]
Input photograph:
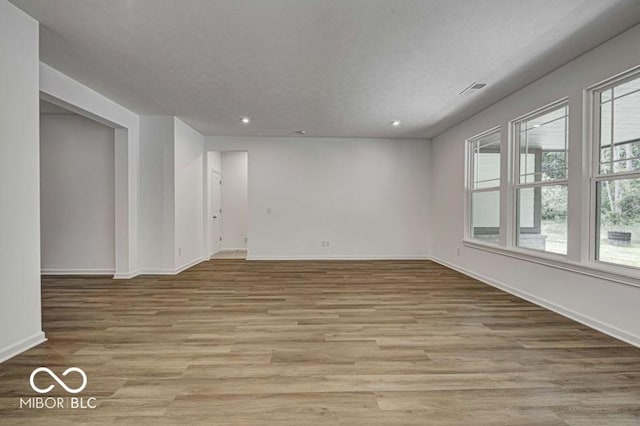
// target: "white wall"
[[157, 213], [172, 193], [20, 319], [368, 197], [609, 306], [77, 195], [235, 208], [189, 203], [62, 90]]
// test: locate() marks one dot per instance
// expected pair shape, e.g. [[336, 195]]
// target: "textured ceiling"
[[342, 68]]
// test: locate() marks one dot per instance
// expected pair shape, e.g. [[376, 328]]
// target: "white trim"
[[588, 187], [77, 271], [231, 249], [538, 184], [21, 346], [614, 80], [337, 257], [161, 271], [494, 129], [190, 264], [126, 275], [62, 90], [557, 261], [469, 170], [515, 183], [542, 110], [591, 322], [173, 271], [592, 117], [157, 272]]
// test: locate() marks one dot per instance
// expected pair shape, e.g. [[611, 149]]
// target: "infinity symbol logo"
[[57, 379]]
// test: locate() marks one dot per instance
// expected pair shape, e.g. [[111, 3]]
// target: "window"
[[521, 208], [617, 172], [483, 166], [541, 143]]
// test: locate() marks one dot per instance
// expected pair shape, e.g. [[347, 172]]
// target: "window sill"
[[631, 278]]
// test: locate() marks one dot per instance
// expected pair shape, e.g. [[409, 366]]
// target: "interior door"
[[216, 211]]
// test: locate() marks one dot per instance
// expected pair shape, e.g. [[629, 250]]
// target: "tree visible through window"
[[541, 184]]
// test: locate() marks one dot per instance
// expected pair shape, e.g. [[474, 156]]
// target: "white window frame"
[[514, 143], [580, 259], [592, 96], [470, 190]]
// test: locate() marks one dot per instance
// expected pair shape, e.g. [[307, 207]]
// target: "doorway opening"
[[77, 194], [228, 215]]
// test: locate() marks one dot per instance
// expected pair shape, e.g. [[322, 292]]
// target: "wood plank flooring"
[[319, 343]]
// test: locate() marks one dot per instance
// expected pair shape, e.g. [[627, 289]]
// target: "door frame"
[[211, 213]]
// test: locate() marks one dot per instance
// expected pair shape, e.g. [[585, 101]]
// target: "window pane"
[[543, 147], [618, 234], [528, 161], [626, 157], [627, 87], [620, 126], [626, 133], [486, 161], [542, 218], [488, 166], [485, 216], [626, 111]]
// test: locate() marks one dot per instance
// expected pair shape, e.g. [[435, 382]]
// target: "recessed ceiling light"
[[245, 120], [395, 123], [300, 132]]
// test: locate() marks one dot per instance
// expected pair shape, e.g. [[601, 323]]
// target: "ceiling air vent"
[[473, 88]]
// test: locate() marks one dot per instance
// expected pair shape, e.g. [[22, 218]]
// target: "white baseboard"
[[21, 346], [190, 264], [77, 272], [125, 275], [232, 249], [603, 327], [157, 272], [173, 271], [339, 257]]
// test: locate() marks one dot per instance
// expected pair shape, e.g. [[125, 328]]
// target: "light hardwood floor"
[[306, 343]]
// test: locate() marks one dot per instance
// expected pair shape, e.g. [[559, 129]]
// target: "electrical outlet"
[[325, 243], [458, 250], [246, 239], [268, 210], [179, 251]]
